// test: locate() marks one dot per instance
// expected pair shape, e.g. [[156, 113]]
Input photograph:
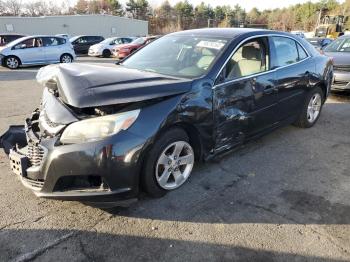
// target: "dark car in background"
[[339, 50], [122, 51], [7, 38], [319, 42], [82, 43], [103, 133]]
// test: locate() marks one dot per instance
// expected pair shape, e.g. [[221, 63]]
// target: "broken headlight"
[[98, 128]]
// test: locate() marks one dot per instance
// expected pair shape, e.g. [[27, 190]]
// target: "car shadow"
[[65, 245]]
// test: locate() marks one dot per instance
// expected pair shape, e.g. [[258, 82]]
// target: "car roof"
[[86, 35], [10, 34], [223, 32], [15, 42]]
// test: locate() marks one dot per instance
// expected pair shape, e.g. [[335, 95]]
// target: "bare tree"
[[2, 7], [13, 7], [36, 8]]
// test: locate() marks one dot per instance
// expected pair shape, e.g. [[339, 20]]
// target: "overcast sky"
[[247, 4]]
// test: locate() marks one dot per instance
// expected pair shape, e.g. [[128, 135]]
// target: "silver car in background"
[[105, 47], [339, 50], [37, 50]]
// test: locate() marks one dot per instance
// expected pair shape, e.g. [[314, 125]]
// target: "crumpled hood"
[[84, 85]]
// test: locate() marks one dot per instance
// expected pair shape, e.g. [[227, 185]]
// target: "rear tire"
[[106, 53], [12, 62], [311, 110], [167, 166], [66, 58]]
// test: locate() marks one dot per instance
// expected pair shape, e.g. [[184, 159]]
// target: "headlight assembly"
[[98, 128]]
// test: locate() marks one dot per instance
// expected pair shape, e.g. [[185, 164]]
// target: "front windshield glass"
[[108, 40], [138, 41], [339, 45], [182, 56], [15, 42], [72, 39]]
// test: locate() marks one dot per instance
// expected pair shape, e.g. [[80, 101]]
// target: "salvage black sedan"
[[104, 133]]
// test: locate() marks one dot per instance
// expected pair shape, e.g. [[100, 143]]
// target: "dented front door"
[[244, 108]]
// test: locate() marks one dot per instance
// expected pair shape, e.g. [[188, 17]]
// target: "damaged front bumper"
[[103, 172]]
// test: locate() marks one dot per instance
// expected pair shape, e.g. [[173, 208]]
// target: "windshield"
[[339, 45], [139, 41], [72, 39], [108, 40], [15, 42], [182, 56]]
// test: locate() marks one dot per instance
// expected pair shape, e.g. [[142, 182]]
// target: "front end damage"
[[90, 172], [103, 170]]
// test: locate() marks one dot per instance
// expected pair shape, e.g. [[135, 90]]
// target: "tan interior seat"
[[249, 64]]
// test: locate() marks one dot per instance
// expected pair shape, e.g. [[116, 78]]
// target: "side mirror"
[[22, 46]]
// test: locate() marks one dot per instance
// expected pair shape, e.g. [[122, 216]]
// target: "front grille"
[[342, 68], [34, 184], [35, 154]]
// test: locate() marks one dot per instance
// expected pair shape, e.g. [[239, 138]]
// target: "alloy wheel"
[[174, 165], [66, 59], [12, 62], [314, 107]]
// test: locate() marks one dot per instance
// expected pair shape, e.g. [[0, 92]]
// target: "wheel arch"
[[192, 133]]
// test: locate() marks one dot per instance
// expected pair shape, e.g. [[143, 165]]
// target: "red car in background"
[[122, 51]]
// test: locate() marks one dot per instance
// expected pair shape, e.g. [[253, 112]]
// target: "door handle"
[[270, 89]]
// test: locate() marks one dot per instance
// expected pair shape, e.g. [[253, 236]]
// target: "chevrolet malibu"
[[102, 134], [36, 50]]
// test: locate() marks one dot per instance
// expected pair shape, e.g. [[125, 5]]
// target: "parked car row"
[[18, 50]]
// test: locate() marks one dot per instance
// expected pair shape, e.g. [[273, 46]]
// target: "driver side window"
[[252, 57]]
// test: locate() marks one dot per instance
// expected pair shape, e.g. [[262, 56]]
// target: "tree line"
[[183, 15]]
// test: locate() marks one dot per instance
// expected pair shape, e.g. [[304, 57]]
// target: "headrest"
[[250, 52], [207, 52]]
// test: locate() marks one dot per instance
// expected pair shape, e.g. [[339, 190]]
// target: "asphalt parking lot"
[[284, 197]]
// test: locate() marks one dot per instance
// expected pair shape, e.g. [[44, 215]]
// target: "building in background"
[[104, 25]]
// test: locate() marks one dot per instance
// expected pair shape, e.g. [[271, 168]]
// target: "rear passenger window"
[[286, 51], [302, 53], [53, 41], [250, 58]]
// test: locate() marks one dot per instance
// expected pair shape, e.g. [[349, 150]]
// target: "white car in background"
[[37, 50], [105, 47]]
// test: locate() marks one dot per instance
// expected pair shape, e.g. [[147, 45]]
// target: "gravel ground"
[[284, 197]]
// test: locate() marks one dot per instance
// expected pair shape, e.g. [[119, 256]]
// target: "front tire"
[[168, 164], [311, 109], [106, 53], [12, 62]]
